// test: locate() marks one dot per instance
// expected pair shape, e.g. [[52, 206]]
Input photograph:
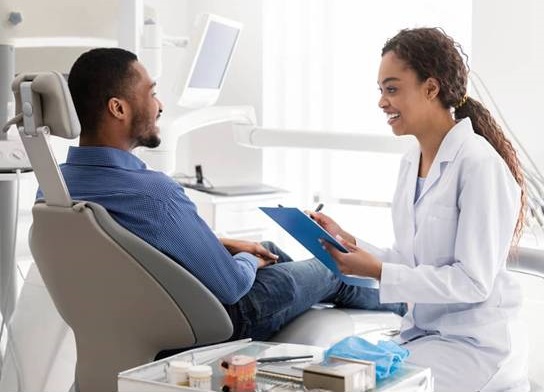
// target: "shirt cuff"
[[248, 258]]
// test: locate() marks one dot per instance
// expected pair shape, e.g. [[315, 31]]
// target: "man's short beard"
[[151, 141]]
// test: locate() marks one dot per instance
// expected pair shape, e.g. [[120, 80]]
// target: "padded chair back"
[[124, 300]]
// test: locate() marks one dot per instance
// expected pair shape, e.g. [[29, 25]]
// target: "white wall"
[[58, 18], [172, 15], [508, 53]]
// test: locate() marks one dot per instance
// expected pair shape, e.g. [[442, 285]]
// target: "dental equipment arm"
[[252, 136], [172, 127]]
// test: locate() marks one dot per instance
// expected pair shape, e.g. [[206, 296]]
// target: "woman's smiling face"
[[404, 98]]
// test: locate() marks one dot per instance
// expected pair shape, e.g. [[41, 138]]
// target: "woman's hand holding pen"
[[356, 262], [330, 225]]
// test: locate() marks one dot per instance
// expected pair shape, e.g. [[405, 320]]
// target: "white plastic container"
[[178, 372], [200, 377]]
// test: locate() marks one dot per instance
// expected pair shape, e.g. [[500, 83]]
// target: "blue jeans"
[[284, 290]]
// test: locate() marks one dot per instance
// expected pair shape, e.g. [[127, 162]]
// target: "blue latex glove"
[[386, 354]]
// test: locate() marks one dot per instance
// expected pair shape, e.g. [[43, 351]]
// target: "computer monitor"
[[211, 52]]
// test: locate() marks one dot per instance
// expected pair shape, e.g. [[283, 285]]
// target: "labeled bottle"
[[200, 377], [178, 372]]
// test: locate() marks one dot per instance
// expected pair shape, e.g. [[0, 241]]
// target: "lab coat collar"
[[450, 146], [453, 141]]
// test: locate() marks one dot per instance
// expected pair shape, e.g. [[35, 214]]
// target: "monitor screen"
[[211, 53], [214, 56]]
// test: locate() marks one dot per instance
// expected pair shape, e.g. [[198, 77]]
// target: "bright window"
[[321, 60]]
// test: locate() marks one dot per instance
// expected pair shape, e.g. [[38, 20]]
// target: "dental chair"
[[124, 300], [528, 264]]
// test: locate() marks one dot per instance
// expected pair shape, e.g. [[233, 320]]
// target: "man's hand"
[[264, 263], [236, 246]]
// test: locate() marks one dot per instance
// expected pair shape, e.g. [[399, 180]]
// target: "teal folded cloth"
[[386, 354]]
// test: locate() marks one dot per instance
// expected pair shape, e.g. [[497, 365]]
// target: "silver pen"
[[283, 358]]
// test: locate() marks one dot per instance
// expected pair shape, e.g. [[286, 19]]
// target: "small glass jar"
[[178, 372], [200, 377], [238, 373]]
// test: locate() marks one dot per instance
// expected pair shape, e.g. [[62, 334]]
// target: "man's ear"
[[118, 108], [432, 88]]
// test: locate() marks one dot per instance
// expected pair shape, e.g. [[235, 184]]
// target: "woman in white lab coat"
[[457, 211]]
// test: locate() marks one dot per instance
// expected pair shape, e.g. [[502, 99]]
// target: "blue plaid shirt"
[[155, 208]]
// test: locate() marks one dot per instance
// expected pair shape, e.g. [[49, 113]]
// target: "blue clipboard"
[[308, 233]]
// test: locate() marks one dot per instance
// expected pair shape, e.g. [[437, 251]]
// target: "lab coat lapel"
[[411, 179], [449, 148], [410, 182], [432, 177]]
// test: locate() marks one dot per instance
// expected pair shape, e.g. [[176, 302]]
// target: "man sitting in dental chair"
[[258, 284]]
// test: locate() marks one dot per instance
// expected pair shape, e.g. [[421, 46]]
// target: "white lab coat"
[[449, 264]]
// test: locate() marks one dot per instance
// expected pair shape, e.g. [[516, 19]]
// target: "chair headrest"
[[57, 107]]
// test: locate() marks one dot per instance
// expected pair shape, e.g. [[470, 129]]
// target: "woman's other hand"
[[356, 262]]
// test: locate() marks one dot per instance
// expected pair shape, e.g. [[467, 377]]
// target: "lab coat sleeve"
[[386, 255], [488, 201]]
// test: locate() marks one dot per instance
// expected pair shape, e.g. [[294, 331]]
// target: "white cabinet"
[[237, 216]]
